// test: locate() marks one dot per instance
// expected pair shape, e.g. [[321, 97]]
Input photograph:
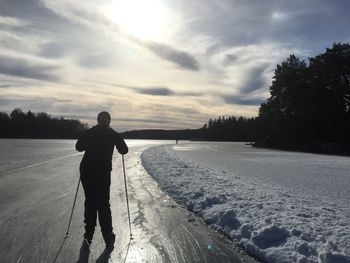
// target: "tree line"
[[220, 129], [230, 129], [38, 125]]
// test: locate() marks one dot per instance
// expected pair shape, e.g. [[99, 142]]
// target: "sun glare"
[[276, 15], [143, 19]]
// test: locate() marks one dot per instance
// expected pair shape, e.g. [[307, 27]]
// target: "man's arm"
[[81, 144], [120, 144]]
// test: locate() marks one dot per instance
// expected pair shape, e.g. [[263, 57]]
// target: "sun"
[[143, 19]]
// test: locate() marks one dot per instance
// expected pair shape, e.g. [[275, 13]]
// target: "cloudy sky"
[[156, 63]]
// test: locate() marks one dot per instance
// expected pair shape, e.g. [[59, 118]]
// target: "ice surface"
[[19, 153], [273, 219]]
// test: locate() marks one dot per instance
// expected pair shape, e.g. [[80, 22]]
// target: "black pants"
[[96, 187]]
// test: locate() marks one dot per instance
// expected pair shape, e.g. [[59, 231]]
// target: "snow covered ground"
[[280, 206]]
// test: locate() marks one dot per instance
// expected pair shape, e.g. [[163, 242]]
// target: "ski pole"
[[71, 214], [70, 220], [127, 198]]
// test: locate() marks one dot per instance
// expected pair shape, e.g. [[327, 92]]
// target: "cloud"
[[242, 100], [255, 79], [248, 70], [63, 102], [156, 91], [49, 35], [181, 58], [33, 13], [141, 120], [97, 20], [12, 21], [230, 58], [162, 109], [25, 103], [29, 28], [95, 60], [51, 50], [8, 85], [25, 68], [163, 91]]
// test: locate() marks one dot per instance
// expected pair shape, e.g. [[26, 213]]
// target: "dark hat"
[[103, 118]]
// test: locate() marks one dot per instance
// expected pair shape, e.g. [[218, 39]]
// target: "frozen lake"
[[324, 177]]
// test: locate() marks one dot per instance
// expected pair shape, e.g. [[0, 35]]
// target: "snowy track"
[[35, 207], [274, 223]]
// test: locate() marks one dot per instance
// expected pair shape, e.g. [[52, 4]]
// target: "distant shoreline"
[[324, 149]]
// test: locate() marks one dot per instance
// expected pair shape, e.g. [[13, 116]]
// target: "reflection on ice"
[[134, 254], [134, 142], [185, 148], [191, 147]]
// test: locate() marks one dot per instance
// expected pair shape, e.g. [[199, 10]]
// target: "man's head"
[[103, 118]]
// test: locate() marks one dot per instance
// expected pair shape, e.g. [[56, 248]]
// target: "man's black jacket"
[[98, 144]]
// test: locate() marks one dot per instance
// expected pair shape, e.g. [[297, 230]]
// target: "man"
[[95, 173]]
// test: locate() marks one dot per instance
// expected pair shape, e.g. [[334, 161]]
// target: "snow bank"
[[268, 222]]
